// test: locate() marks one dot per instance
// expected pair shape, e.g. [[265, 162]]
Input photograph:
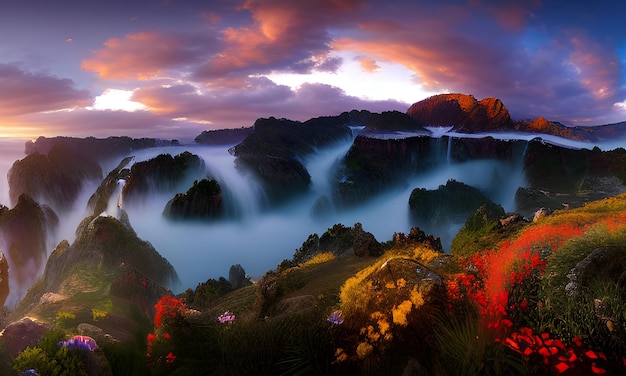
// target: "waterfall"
[[243, 196], [449, 150], [114, 206], [322, 167]]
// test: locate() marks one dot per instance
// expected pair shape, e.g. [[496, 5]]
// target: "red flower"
[[170, 358], [561, 367], [167, 336], [523, 305], [597, 370], [591, 354]]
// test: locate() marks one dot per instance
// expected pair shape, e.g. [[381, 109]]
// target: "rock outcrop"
[[223, 136], [4, 279], [163, 173], [463, 112], [95, 148], [21, 334], [99, 200], [100, 279], [55, 179], [273, 151], [373, 165], [23, 232], [202, 201], [453, 200]]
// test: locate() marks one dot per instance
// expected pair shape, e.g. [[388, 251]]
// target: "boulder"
[[21, 334], [608, 262]]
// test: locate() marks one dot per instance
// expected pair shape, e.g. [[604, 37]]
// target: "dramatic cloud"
[[24, 92], [286, 36], [145, 55], [208, 63]]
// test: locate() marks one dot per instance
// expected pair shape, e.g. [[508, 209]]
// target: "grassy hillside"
[[543, 297]]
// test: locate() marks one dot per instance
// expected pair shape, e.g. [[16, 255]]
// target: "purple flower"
[[227, 317], [336, 318], [79, 343]]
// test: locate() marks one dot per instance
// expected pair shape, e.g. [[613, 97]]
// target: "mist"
[[258, 236]]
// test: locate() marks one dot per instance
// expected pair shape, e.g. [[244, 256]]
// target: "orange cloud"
[[285, 35], [141, 55], [368, 64]]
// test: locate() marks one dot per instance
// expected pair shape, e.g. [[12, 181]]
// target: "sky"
[[174, 68]]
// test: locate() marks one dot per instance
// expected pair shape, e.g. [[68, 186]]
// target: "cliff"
[[463, 112]]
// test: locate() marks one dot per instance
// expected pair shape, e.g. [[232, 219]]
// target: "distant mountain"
[[466, 114], [462, 111]]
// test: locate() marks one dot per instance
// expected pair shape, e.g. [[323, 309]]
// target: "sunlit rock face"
[[463, 112], [23, 231]]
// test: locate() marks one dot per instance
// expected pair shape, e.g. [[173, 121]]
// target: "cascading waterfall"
[[244, 197], [114, 205], [322, 167]]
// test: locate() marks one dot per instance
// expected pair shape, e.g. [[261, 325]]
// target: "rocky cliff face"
[[92, 147], [100, 279], [55, 179], [23, 231], [223, 136], [161, 174], [468, 115], [373, 165], [202, 201], [272, 152], [463, 112]]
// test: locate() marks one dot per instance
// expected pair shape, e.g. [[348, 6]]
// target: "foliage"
[[476, 233], [469, 348], [320, 258], [65, 319], [49, 358]]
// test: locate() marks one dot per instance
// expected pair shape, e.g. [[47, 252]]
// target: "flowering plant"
[[336, 318], [79, 343], [226, 317]]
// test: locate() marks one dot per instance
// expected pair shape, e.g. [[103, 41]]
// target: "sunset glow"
[[226, 64]]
